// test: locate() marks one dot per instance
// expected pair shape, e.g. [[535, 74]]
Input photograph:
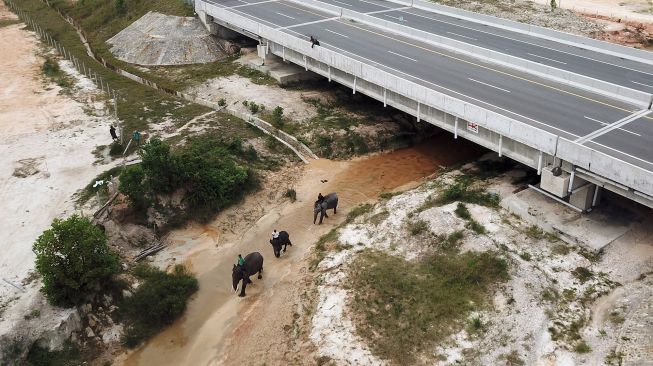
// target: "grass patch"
[[321, 247], [583, 274], [358, 211], [388, 195], [52, 70], [582, 347], [404, 308], [534, 232], [462, 211], [8, 22], [103, 190], [257, 77], [461, 191], [157, 302], [417, 227], [476, 227], [525, 256], [69, 356]]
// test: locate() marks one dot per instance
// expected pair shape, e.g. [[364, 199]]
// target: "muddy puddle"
[[216, 315]]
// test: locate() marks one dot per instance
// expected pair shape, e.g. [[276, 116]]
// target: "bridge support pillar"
[[455, 127], [385, 97], [329, 70], [353, 90], [500, 145], [419, 105]]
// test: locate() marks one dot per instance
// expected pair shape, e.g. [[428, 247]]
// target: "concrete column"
[[539, 163], [305, 63], [385, 97], [283, 53], [455, 127], [500, 145], [595, 199], [329, 68], [418, 111], [571, 181], [354, 88]]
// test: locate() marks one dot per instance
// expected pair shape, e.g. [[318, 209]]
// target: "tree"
[[553, 4], [131, 184], [160, 167], [74, 260]]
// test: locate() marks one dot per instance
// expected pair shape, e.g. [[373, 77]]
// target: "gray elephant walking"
[[330, 201], [253, 264]]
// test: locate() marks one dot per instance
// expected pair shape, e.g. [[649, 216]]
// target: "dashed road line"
[[460, 35], [340, 34], [400, 55], [546, 58], [490, 85]]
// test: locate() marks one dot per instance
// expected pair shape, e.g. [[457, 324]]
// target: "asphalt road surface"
[[569, 112]]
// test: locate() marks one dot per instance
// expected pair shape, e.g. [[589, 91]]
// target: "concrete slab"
[[282, 72], [594, 230]]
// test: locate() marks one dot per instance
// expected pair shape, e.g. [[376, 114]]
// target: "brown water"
[[216, 314]]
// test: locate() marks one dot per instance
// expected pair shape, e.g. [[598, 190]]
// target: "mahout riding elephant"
[[330, 201], [282, 241], [253, 264]]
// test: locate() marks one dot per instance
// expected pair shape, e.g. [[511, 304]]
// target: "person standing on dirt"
[[137, 137], [112, 131]]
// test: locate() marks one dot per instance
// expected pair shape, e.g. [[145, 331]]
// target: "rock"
[[112, 334], [89, 332], [92, 322], [55, 338], [106, 300], [126, 294], [86, 308]]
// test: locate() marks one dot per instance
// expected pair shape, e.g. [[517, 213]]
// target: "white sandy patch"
[[50, 137]]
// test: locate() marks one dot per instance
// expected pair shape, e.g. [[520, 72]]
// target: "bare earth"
[[45, 157], [630, 10]]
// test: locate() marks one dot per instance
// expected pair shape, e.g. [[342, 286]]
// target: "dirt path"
[[219, 327]]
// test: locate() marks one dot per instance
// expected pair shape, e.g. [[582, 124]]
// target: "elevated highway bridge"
[[544, 98]]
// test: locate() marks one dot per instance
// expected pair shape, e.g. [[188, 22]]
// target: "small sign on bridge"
[[471, 126]]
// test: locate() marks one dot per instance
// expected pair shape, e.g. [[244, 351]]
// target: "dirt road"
[[220, 328]]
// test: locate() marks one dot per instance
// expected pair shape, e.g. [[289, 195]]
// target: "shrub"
[[116, 148], [582, 347], [417, 227], [131, 185], [73, 260], [462, 211], [253, 107], [277, 116], [292, 194], [476, 226], [161, 171], [461, 192], [222, 102], [358, 210], [157, 302], [525, 256], [121, 7]]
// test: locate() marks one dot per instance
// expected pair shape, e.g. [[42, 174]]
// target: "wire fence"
[[300, 149], [66, 54]]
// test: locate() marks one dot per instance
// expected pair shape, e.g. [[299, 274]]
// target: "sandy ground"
[[629, 10], [522, 324], [50, 136], [221, 329]]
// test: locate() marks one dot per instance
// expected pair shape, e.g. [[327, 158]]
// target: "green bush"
[[161, 171], [462, 211], [121, 7], [277, 117], [73, 260], [157, 302], [460, 191], [253, 107], [131, 185], [222, 102]]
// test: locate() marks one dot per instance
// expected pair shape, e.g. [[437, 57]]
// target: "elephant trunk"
[[315, 215]]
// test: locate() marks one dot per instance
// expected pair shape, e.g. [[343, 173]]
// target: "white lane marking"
[[650, 86], [340, 2], [387, 10], [546, 58], [621, 152], [309, 23], [460, 35], [605, 124], [490, 85], [526, 42], [340, 34], [284, 15], [547, 125], [400, 55], [401, 19], [247, 4]]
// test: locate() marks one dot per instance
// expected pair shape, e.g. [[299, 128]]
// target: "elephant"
[[282, 240], [330, 201], [253, 264]]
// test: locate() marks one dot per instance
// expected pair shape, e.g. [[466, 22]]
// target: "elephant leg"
[[242, 290], [260, 273], [335, 209]]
